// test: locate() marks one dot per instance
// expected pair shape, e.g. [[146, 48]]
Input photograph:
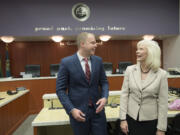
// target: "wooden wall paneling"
[[18, 57], [37, 89], [47, 56], [35, 131], [3, 56], [134, 49], [66, 50], [115, 53], [19, 112], [46, 53], [35, 101], [3, 123], [53, 53], [123, 51], [102, 52], [112, 55], [9, 116], [174, 82], [34, 52], [115, 82]]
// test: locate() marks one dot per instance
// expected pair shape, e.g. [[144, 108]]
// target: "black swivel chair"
[[108, 67], [123, 66], [54, 68], [174, 127], [33, 69]]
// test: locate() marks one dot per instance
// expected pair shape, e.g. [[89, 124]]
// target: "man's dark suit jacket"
[[72, 87]]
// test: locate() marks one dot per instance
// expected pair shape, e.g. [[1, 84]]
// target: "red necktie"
[[88, 76], [87, 70]]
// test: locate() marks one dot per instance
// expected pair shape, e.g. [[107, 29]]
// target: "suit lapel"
[[149, 79], [79, 67], [137, 76], [93, 63]]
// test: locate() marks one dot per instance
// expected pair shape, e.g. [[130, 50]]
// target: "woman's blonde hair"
[[153, 59]]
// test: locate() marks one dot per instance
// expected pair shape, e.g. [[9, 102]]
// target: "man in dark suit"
[[82, 88]]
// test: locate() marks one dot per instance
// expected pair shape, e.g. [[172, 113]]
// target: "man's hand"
[[78, 115], [159, 132], [124, 127], [101, 102]]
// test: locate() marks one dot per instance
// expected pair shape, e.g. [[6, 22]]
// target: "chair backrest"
[[123, 66], [33, 69], [108, 67], [54, 68], [173, 127], [176, 121]]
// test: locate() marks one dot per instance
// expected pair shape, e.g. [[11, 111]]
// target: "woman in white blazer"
[[144, 98]]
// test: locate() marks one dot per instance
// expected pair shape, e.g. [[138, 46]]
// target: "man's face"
[[90, 45]]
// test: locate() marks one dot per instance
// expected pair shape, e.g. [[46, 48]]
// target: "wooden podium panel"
[[13, 114]]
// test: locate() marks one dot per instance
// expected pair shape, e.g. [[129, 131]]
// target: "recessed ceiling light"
[[57, 38], [148, 37], [7, 39], [104, 37]]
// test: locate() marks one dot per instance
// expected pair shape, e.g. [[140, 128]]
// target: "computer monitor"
[[123, 66], [108, 67], [54, 68], [33, 69]]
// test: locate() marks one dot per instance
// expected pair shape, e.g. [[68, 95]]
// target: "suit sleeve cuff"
[[70, 111]]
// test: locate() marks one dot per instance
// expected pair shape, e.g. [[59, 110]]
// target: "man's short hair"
[[82, 37]]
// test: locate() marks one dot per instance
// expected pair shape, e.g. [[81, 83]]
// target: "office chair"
[[54, 68], [108, 67], [33, 69], [174, 127], [123, 65]]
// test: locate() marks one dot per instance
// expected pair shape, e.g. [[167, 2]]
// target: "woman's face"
[[141, 53]]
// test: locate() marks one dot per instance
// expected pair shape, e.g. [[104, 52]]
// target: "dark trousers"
[[141, 127], [95, 124]]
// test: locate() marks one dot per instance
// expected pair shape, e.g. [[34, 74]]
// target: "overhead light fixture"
[[148, 37], [104, 37], [57, 38], [7, 39]]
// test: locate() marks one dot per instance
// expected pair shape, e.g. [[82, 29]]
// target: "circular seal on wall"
[[80, 12]]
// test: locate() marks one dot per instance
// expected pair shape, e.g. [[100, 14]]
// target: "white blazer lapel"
[[150, 78], [137, 76]]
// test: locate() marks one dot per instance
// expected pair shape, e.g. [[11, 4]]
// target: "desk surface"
[[54, 96], [58, 116], [54, 77], [9, 98], [39, 78]]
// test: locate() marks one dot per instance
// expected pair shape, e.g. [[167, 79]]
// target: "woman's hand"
[[159, 132], [124, 127]]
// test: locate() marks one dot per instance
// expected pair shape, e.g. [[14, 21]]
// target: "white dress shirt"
[[83, 62]]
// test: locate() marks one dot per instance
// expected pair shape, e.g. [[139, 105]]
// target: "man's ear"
[[82, 44]]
